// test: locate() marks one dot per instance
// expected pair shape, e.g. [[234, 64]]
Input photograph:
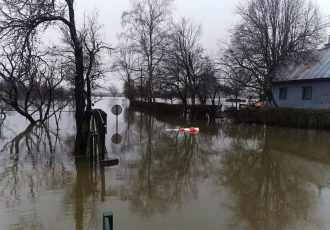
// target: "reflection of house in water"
[[304, 153], [315, 172], [304, 158]]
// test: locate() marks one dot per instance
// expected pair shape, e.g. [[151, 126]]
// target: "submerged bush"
[[301, 118]]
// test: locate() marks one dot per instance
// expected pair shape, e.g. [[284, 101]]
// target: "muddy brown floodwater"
[[225, 177]]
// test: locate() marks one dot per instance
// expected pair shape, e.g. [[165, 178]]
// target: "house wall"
[[320, 95]]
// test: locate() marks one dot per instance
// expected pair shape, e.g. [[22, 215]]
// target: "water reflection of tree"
[[169, 165], [34, 140], [268, 197], [35, 162], [38, 161], [86, 186]]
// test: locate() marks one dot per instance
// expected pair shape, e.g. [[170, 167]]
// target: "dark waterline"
[[225, 177]]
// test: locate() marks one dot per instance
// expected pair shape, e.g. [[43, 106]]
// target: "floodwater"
[[225, 177]]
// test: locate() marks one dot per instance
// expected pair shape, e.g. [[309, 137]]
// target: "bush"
[[300, 118]]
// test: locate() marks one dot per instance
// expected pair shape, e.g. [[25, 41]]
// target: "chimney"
[[328, 44]]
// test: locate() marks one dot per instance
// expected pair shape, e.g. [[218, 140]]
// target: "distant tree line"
[[160, 57]]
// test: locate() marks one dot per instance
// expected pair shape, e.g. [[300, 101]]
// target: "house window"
[[307, 93], [283, 93]]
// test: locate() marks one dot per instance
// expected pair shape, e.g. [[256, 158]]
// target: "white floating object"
[[181, 130]]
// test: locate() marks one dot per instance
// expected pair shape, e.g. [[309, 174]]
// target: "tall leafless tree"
[[95, 52], [146, 26], [126, 67], [184, 59], [270, 32], [208, 82]]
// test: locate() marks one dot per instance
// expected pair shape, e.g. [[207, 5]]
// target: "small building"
[[304, 81]]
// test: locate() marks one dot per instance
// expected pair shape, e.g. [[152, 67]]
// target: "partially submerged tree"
[[184, 59], [30, 82], [236, 82], [22, 21], [208, 82], [126, 68], [271, 31], [163, 58], [146, 31], [95, 51], [113, 90]]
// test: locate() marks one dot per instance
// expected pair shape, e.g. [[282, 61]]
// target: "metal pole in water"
[[116, 123], [107, 221]]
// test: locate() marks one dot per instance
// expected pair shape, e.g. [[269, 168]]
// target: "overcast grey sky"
[[216, 16]]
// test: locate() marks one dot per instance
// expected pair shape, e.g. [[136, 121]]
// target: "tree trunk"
[[129, 88], [82, 116], [193, 97], [236, 98], [269, 95]]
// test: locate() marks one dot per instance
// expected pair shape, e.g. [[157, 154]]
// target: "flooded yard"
[[225, 177]]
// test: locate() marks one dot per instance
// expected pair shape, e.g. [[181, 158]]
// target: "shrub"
[[302, 118]]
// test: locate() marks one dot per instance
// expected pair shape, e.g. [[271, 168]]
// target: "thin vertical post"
[[116, 124], [141, 89], [107, 221]]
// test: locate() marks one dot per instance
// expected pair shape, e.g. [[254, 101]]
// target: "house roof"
[[312, 65]]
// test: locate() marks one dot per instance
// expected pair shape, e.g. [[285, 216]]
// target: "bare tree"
[[208, 81], [30, 81], [113, 90], [175, 78], [236, 82], [146, 25], [22, 21], [126, 67], [95, 51], [270, 31], [184, 58]]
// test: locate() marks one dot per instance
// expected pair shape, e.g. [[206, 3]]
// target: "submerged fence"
[[98, 129], [99, 119], [199, 112], [97, 149]]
